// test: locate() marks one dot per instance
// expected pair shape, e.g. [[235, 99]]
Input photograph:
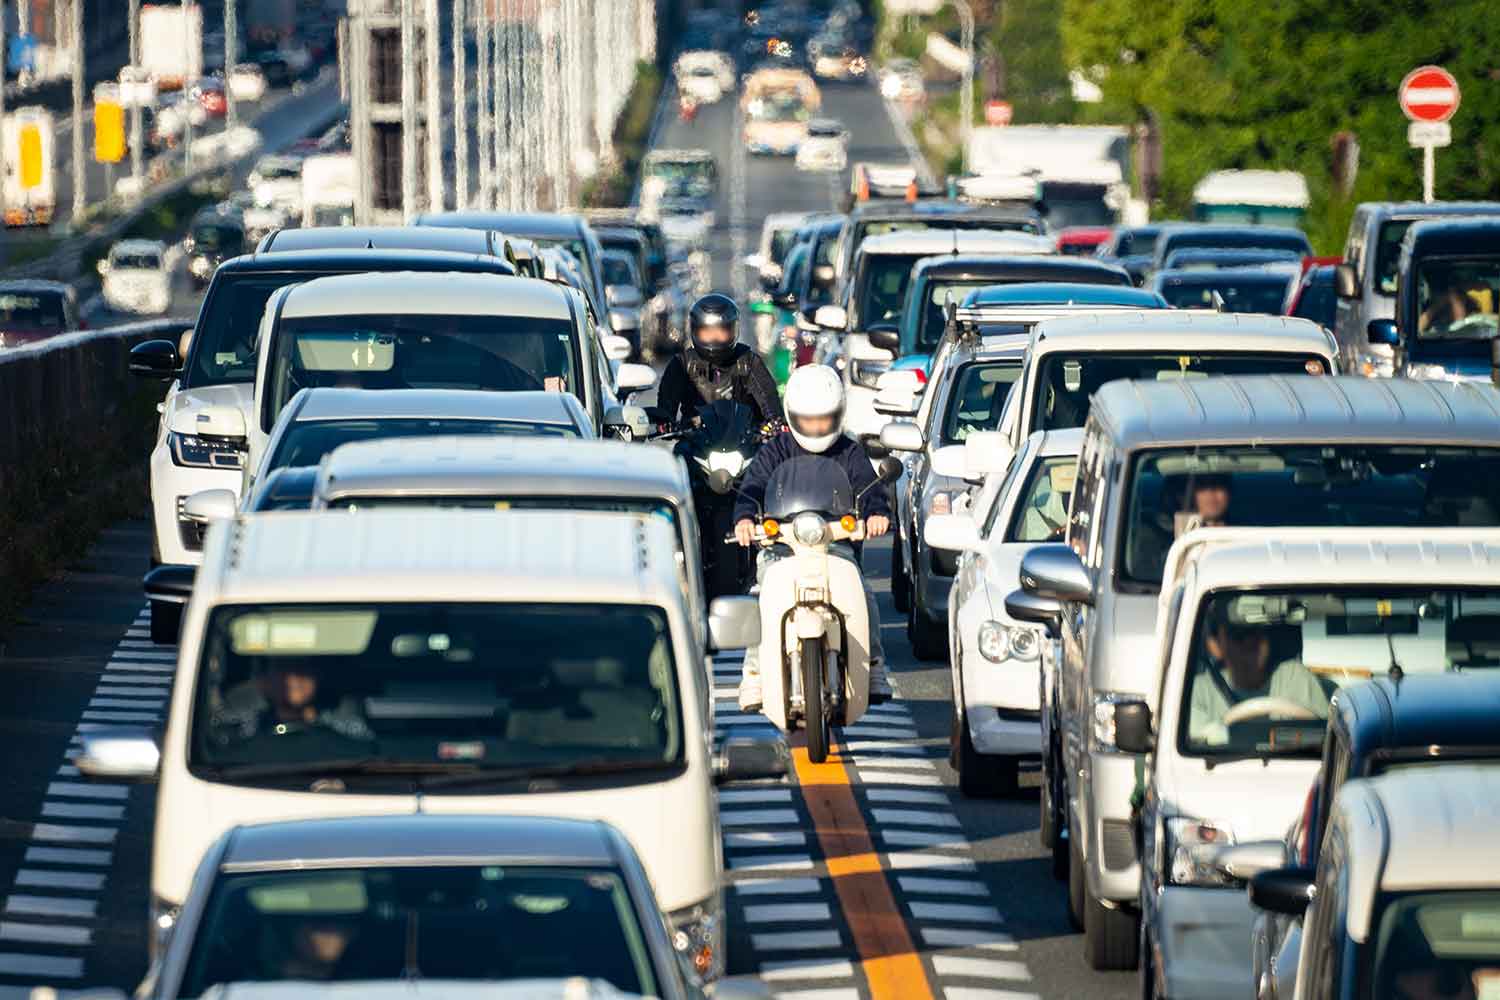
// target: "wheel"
[[983, 776], [929, 639], [900, 585], [1111, 937], [1052, 824], [1077, 881], [812, 700], [166, 622]]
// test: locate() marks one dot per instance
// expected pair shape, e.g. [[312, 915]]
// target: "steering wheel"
[[1267, 708], [1474, 321]]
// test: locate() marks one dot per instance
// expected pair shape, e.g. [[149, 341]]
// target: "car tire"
[[1077, 880], [900, 585], [1052, 822], [929, 639], [166, 622], [982, 776], [1111, 937]]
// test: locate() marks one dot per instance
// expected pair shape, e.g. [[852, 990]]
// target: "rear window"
[[32, 311], [1238, 296]]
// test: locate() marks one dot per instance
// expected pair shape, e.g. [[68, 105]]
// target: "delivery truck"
[[171, 51], [30, 175]]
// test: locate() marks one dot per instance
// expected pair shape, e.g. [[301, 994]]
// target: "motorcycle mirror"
[[889, 470]]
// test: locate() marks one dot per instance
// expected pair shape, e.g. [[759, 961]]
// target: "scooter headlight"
[[809, 529], [731, 462]]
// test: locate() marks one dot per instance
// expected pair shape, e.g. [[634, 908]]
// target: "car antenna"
[[1395, 673]]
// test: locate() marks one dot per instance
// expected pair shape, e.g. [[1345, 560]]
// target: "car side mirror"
[[118, 754], [949, 461], [155, 359], [754, 261], [628, 423], [1242, 862], [1054, 570], [207, 506], [634, 378], [823, 275], [1345, 281], [1383, 331], [885, 336], [902, 437], [770, 276], [1043, 611], [888, 470], [895, 403], [624, 296], [833, 318], [1133, 727], [986, 452], [952, 532], [744, 759], [734, 622], [1283, 890]]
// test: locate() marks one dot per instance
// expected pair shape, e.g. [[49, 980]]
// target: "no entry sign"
[[1429, 94]]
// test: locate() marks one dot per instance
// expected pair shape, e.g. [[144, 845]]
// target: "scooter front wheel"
[[813, 712]]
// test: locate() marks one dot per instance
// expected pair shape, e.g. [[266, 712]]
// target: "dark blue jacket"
[[847, 452]]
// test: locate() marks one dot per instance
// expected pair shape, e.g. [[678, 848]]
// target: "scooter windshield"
[[725, 423], [809, 483]]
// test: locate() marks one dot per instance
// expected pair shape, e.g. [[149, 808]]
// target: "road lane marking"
[[770, 863], [65, 834], [766, 838], [79, 810], [51, 906], [977, 968], [806, 968], [952, 937], [35, 878], [964, 912], [79, 790], [758, 817], [917, 885], [738, 795], [922, 838], [971, 993], [40, 966], [796, 940], [763, 913], [907, 795], [67, 856], [64, 934]]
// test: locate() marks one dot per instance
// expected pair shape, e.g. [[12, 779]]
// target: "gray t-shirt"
[[1210, 700]]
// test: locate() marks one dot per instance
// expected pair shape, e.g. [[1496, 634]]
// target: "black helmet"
[[715, 310]]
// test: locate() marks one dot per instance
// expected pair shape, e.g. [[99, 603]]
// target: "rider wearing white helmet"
[[814, 405]]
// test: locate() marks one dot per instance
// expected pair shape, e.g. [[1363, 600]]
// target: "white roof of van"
[[1285, 188], [1179, 329], [934, 241], [426, 294], [440, 555]]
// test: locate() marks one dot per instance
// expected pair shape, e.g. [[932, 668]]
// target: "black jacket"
[[690, 381], [846, 451]]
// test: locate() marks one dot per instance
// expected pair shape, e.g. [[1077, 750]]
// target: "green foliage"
[[1269, 84], [611, 189], [1028, 37]]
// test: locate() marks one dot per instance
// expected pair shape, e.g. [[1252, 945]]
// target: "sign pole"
[[1429, 165]]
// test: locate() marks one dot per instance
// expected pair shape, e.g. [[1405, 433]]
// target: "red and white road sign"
[[1429, 94], [997, 112]]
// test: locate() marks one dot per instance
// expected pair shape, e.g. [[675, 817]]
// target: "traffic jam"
[[820, 571]]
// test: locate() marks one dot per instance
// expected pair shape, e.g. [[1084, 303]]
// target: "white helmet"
[[815, 391]]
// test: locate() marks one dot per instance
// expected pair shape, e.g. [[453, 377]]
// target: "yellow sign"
[[109, 132], [31, 156]]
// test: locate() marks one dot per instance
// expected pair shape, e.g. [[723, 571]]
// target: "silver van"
[[1366, 280], [1163, 457]]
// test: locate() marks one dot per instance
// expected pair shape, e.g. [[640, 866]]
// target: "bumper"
[[138, 302], [1000, 701], [1203, 937], [1110, 853], [1003, 734], [171, 483]]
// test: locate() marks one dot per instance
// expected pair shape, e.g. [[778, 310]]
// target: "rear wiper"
[[574, 769]]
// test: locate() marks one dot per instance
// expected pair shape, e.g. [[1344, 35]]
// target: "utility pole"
[[436, 196], [80, 178], [187, 85], [966, 92], [231, 53], [408, 110], [460, 106], [486, 121], [506, 167], [135, 105]]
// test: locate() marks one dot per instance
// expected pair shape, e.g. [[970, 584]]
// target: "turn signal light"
[[771, 527], [848, 522]]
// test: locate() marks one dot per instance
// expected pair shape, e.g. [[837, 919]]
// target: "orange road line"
[[889, 957]]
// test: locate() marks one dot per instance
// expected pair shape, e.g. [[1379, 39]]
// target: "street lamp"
[[966, 92]]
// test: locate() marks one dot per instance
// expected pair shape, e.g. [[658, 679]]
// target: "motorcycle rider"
[[715, 365], [815, 426]]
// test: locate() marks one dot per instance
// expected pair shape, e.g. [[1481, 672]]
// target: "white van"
[[530, 662]]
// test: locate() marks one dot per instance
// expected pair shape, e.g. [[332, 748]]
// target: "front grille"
[[1118, 844], [190, 531]]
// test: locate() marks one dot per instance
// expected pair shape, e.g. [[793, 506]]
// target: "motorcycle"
[[687, 108], [815, 632]]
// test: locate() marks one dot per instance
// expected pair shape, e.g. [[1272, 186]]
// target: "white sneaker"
[[750, 697], [880, 683]]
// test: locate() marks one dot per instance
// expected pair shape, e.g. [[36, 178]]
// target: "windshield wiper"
[[329, 767], [530, 772], [1263, 754]]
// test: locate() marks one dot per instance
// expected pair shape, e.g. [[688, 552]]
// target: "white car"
[[444, 662], [276, 182], [995, 658], [137, 277], [826, 147], [247, 82]]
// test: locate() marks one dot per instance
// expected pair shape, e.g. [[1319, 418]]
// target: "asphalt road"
[[866, 877]]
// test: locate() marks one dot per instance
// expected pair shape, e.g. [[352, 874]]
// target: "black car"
[[1238, 290], [1315, 296], [216, 235], [1181, 235], [1133, 248]]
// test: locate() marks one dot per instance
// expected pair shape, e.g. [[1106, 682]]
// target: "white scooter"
[[815, 632]]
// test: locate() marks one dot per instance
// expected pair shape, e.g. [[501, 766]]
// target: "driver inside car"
[[285, 698], [1236, 668]]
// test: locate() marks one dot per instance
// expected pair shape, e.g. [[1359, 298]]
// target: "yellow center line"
[[889, 957]]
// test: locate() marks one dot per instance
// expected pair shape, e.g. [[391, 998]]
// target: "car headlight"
[[698, 937], [943, 501], [1192, 850], [999, 642], [809, 529], [731, 462], [199, 266], [1104, 718], [867, 373], [204, 452], [163, 920]]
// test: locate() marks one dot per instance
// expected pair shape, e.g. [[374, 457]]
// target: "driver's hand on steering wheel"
[[744, 531], [877, 525]]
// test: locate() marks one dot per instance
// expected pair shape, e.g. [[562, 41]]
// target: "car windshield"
[[1174, 490], [145, 260], [210, 239], [688, 177], [1239, 295], [1458, 299], [786, 106], [307, 441], [617, 271], [1438, 944], [407, 922], [223, 349], [939, 292], [1251, 236], [1042, 513], [1318, 303], [883, 290], [1136, 243], [1067, 382], [418, 689], [31, 311], [279, 171], [978, 397], [420, 351], [1388, 255]]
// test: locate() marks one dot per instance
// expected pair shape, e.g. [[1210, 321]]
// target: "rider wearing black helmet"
[[715, 365]]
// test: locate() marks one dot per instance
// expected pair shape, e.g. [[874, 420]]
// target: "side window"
[[1326, 935], [1354, 243], [1169, 634], [1080, 513], [1106, 468]]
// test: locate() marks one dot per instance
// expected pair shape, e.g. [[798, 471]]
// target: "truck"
[[329, 183], [27, 137], [777, 105], [1269, 197], [1082, 170], [171, 51]]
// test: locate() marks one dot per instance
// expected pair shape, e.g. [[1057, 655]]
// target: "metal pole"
[[231, 53], [360, 139], [460, 106], [80, 179], [408, 110], [436, 196], [483, 111], [187, 86], [135, 105], [503, 111], [1429, 166], [966, 92]]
